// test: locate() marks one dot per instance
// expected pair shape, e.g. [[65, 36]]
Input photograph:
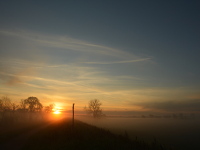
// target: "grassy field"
[[61, 135]]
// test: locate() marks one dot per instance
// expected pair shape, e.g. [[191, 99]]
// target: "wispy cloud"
[[118, 62], [67, 43], [61, 66], [28, 64], [18, 78], [190, 105], [13, 79]]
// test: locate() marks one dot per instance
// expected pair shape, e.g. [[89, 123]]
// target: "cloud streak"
[[17, 78], [67, 43], [63, 67], [118, 62], [12, 79], [190, 105]]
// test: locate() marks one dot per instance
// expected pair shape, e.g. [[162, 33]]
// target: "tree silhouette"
[[94, 108], [5, 103], [32, 104], [49, 108], [23, 107], [7, 109]]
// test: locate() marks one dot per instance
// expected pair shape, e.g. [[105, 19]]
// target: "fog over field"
[[182, 134]]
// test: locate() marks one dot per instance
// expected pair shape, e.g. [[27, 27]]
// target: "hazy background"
[[183, 134]]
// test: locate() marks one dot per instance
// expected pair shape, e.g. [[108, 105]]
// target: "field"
[[182, 134], [62, 135]]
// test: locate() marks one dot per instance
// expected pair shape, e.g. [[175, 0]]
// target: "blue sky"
[[132, 55]]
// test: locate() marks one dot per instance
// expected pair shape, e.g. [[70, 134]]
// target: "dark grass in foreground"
[[61, 136]]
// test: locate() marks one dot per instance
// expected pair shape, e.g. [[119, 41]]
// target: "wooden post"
[[73, 115]]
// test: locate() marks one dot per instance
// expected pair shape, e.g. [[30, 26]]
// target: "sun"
[[56, 112]]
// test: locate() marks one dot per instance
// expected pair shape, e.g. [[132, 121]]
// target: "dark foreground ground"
[[61, 135]]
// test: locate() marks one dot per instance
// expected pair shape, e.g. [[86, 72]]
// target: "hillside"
[[60, 135]]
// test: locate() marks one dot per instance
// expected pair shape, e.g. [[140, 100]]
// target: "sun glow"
[[56, 112]]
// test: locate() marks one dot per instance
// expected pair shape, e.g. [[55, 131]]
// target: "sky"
[[131, 55]]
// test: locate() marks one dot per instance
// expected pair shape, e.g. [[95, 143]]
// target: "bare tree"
[[49, 108], [94, 108], [5, 103], [7, 109]]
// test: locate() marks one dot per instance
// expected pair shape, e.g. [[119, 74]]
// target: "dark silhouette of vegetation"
[[33, 107], [29, 108], [6, 104], [7, 109], [94, 108], [32, 104], [49, 108]]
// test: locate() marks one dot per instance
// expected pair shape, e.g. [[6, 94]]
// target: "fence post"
[[73, 115]]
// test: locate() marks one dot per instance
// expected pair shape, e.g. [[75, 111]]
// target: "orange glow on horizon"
[[56, 112]]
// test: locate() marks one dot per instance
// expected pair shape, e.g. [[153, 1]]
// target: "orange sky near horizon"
[[132, 56]]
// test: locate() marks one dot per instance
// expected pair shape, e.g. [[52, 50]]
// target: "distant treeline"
[[167, 116], [26, 109]]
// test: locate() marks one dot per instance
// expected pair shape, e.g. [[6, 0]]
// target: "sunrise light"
[[56, 112]]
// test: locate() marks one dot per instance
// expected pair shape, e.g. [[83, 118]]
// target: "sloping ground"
[[61, 136], [14, 135]]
